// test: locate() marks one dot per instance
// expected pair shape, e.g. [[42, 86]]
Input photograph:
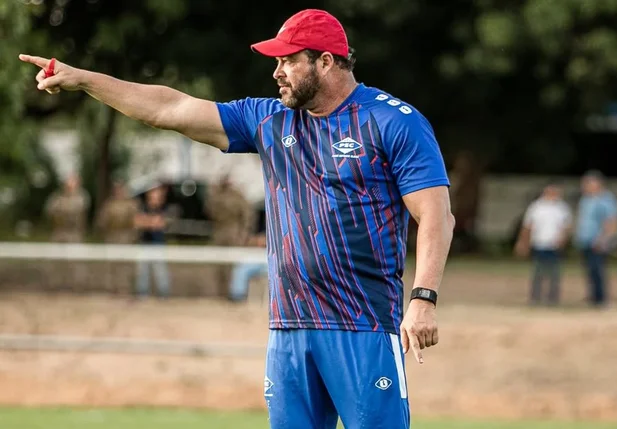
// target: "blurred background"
[[523, 99]]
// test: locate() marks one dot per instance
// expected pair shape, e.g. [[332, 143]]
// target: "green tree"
[[548, 64], [121, 39], [507, 79], [26, 172], [16, 134]]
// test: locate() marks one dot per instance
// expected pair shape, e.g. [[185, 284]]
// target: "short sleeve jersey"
[[336, 221]]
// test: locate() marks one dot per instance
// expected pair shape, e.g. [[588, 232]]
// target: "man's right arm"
[[522, 244], [609, 225], [158, 106]]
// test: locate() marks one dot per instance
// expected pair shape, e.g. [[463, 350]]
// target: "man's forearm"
[[608, 232], [610, 228], [524, 235], [145, 103], [432, 248], [155, 105]]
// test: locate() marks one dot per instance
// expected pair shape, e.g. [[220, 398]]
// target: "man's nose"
[[278, 72]]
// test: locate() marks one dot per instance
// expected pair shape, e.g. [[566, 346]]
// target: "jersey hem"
[[337, 326]]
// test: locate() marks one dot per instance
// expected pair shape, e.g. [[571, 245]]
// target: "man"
[[116, 223], [596, 230], [116, 218], [465, 183], [232, 219], [546, 229], [150, 222], [243, 272], [67, 210], [343, 166]]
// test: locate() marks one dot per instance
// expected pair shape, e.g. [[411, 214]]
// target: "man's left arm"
[[430, 208], [609, 227], [419, 170]]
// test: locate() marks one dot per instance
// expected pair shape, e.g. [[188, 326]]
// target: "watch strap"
[[424, 294]]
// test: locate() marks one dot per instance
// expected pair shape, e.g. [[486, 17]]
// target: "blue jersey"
[[336, 221]]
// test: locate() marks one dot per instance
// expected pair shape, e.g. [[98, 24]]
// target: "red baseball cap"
[[308, 29]]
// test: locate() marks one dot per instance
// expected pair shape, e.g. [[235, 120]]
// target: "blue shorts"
[[314, 376]]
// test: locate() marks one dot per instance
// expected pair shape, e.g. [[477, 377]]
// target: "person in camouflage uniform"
[[116, 224], [233, 221], [116, 217], [67, 212]]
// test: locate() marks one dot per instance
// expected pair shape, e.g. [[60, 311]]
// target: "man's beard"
[[303, 94]]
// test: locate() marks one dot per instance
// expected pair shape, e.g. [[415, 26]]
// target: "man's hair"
[[594, 174], [344, 63], [554, 182]]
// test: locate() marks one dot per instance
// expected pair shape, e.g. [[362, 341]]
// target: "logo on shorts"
[[289, 141], [267, 386], [383, 383]]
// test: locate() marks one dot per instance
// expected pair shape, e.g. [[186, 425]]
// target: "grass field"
[[37, 418]]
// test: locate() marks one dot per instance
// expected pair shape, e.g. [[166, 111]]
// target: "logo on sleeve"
[[289, 141], [347, 148], [393, 102]]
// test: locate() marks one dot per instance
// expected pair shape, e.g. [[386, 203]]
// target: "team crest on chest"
[[347, 148]]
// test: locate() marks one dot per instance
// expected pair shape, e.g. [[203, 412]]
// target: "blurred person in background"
[[116, 218], [243, 273], [546, 230], [116, 224], [596, 231], [67, 212], [150, 223], [232, 219], [465, 180]]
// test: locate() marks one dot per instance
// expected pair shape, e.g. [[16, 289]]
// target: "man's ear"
[[327, 62]]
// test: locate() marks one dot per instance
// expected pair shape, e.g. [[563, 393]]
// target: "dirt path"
[[492, 361], [496, 357]]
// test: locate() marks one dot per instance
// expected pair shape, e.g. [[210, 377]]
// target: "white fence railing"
[[112, 252], [61, 343], [130, 252]]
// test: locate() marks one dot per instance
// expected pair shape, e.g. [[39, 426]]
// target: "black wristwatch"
[[424, 294]]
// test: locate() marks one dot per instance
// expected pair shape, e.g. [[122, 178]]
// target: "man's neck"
[[332, 96]]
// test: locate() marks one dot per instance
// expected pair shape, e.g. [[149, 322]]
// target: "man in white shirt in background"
[[546, 228]]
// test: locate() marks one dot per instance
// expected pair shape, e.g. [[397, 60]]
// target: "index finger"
[[38, 61], [417, 351]]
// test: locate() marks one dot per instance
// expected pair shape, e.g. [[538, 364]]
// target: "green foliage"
[[92, 124], [124, 41], [571, 44], [507, 79], [26, 171], [15, 134]]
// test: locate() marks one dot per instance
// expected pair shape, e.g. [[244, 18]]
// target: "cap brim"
[[275, 48]]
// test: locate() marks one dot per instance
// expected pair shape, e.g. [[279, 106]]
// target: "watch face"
[[425, 293]]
